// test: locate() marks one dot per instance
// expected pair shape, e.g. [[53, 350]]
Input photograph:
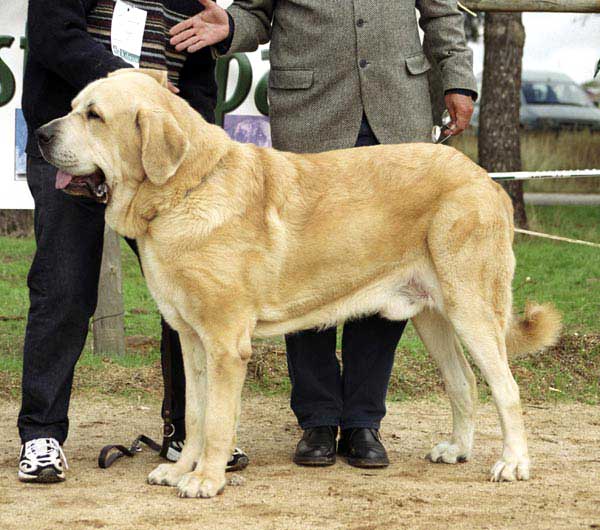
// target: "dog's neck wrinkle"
[[202, 160], [207, 193], [141, 211]]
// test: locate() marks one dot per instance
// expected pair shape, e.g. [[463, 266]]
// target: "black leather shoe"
[[316, 447], [363, 448]]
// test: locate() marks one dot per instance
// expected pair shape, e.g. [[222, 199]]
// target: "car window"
[[555, 93]]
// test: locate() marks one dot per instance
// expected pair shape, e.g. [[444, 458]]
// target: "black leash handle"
[[110, 453]]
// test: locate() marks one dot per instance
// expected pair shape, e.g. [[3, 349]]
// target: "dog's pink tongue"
[[62, 179]]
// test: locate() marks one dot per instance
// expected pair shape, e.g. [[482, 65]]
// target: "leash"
[[109, 454], [466, 9], [552, 174], [557, 238], [535, 175]]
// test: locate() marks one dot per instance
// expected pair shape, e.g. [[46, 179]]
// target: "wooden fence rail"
[[556, 6]]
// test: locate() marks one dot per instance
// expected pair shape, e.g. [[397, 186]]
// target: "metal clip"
[[437, 133], [169, 430]]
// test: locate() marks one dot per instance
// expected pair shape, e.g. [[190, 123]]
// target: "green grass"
[[567, 275]]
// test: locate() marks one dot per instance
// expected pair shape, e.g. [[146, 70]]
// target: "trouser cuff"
[[58, 434], [319, 422], [373, 424]]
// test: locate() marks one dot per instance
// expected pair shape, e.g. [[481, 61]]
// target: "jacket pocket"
[[291, 79], [417, 64]]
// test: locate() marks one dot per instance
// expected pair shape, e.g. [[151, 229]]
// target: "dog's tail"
[[538, 328]]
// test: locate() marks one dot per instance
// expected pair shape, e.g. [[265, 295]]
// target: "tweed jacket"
[[332, 60]]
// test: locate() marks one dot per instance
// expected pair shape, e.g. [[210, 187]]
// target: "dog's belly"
[[396, 297]]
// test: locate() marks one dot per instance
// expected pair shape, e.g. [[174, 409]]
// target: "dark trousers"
[[323, 394], [63, 291]]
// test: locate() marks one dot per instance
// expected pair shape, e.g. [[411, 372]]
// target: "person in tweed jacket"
[[343, 74]]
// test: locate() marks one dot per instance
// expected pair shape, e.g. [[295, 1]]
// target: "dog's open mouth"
[[92, 186]]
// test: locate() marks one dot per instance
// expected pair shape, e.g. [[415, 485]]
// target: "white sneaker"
[[174, 451], [42, 460]]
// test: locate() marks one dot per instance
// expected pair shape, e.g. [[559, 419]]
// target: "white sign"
[[127, 32], [14, 192]]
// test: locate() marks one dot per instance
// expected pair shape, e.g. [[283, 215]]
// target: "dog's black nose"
[[45, 134]]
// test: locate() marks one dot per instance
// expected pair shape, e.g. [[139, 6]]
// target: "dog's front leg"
[[194, 362], [226, 364]]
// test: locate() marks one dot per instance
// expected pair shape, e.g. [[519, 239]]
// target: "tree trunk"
[[108, 325], [16, 223], [499, 130]]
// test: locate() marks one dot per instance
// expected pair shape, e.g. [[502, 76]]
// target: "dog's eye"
[[93, 115]]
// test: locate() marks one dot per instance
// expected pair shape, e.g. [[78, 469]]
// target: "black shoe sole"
[[367, 463], [241, 463], [314, 461], [46, 476]]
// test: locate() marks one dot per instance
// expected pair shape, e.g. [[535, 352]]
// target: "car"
[[552, 101]]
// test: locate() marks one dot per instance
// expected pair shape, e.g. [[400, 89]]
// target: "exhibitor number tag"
[[127, 32]]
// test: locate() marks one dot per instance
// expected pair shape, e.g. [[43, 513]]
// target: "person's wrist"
[[462, 92], [223, 46]]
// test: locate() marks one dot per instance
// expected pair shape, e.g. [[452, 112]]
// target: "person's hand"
[[172, 87], [208, 27], [460, 108]]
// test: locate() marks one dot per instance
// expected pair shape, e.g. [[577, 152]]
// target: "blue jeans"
[[323, 394]]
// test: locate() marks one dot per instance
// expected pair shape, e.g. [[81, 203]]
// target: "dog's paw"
[[448, 453], [165, 475], [510, 470], [194, 485]]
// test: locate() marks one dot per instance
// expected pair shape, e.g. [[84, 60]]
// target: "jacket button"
[[360, 22], [363, 63]]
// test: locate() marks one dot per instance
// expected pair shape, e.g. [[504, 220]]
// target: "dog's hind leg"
[[194, 361], [470, 241], [481, 333], [226, 361], [440, 339]]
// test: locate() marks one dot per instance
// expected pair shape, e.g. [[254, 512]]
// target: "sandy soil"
[[564, 491]]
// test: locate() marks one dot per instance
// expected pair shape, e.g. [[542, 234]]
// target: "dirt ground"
[[564, 491]]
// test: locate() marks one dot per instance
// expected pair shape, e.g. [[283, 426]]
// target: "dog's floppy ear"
[[164, 144], [160, 76]]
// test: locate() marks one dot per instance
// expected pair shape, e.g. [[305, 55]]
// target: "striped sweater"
[[157, 52]]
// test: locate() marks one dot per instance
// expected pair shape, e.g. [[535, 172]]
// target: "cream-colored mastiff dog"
[[238, 241]]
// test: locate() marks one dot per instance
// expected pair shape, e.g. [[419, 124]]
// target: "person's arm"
[[442, 23], [197, 85], [243, 27], [252, 24], [58, 39]]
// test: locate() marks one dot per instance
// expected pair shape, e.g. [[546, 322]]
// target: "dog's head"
[[121, 132]]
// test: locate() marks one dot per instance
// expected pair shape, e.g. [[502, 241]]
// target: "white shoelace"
[[44, 451]]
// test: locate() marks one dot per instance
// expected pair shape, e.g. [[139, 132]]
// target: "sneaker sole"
[[241, 463], [46, 476]]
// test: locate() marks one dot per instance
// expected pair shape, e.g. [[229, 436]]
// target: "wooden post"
[[556, 6], [499, 138], [108, 325]]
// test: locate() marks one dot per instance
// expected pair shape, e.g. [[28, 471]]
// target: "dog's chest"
[[161, 284]]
